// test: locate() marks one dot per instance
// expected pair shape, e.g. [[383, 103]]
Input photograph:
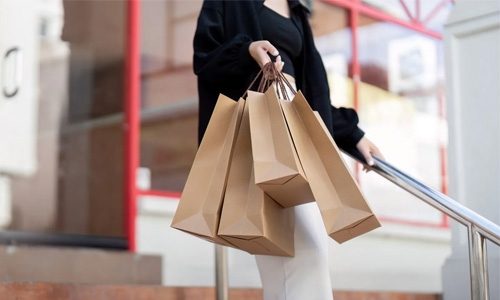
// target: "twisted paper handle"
[[269, 75]]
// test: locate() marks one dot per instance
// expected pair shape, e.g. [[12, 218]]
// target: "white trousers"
[[306, 276]]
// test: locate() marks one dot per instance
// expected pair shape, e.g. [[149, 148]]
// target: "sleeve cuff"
[[246, 60], [348, 144], [356, 136]]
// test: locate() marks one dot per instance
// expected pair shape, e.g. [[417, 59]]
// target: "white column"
[[472, 41]]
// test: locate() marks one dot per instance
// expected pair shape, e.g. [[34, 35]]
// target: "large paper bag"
[[344, 210], [277, 168], [250, 219], [201, 200]]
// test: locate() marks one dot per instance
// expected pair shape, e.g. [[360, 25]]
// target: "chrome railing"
[[479, 229]]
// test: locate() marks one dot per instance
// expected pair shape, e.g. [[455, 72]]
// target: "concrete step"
[[77, 265], [51, 291]]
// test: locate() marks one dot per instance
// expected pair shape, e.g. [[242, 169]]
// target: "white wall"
[[392, 258], [472, 42]]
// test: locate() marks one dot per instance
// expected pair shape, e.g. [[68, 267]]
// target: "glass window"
[[431, 13], [333, 40], [393, 7], [169, 93], [67, 172], [399, 108]]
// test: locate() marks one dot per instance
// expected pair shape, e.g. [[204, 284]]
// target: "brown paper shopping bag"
[[250, 219], [344, 210], [201, 200], [277, 168]]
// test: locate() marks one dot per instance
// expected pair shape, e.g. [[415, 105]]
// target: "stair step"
[[77, 265], [51, 291]]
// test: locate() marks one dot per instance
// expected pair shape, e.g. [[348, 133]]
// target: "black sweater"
[[224, 65]]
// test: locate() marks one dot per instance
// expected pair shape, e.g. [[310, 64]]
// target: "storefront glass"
[[400, 100], [333, 40], [65, 175], [431, 13], [67, 171], [169, 99]]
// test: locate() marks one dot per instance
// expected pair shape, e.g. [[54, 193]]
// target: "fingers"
[[260, 51], [367, 155], [266, 45], [279, 64], [375, 151], [274, 52], [263, 58], [378, 153], [364, 146]]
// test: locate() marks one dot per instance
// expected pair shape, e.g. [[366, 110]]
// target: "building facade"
[[91, 146]]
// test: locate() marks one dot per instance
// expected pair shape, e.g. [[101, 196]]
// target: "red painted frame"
[[131, 127], [133, 86], [157, 193], [360, 8]]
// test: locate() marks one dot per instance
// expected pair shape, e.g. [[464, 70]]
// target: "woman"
[[233, 40]]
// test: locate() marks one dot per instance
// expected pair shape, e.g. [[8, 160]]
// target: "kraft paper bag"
[[250, 219], [277, 168], [199, 208], [344, 210]]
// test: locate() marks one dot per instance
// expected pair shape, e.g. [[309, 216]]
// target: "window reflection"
[[401, 78], [169, 93], [75, 55], [333, 40], [399, 98]]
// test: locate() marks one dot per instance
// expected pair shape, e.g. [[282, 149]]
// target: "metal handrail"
[[440, 201], [479, 229]]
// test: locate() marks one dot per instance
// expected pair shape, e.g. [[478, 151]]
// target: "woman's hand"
[[259, 51], [368, 148]]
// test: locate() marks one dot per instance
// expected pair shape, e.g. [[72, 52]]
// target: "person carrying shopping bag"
[[233, 40]]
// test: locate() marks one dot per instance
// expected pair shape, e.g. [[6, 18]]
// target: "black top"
[[224, 65], [284, 34]]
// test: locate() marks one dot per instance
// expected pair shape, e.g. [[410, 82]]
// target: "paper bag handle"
[[282, 82], [268, 75]]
